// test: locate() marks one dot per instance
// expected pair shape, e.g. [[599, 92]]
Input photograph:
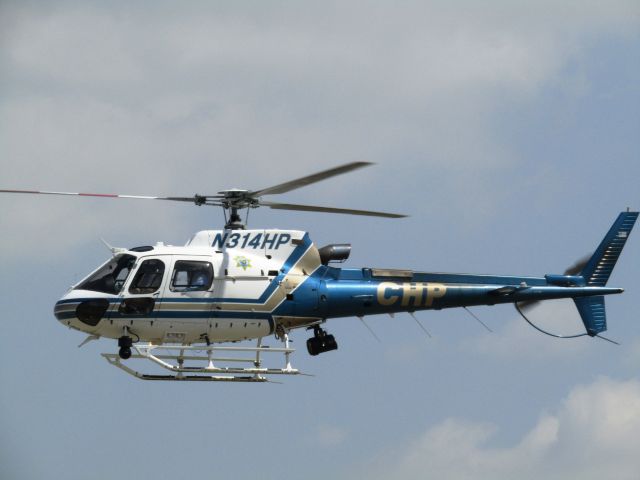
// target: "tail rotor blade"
[[578, 266], [574, 269], [528, 304]]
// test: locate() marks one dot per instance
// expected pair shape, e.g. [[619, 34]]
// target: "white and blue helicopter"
[[174, 306]]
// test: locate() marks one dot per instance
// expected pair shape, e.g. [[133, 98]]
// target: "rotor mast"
[[232, 201], [234, 222]]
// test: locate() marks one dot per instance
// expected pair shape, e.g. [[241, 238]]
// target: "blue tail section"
[[598, 269], [593, 314]]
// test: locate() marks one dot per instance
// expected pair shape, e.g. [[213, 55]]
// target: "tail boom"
[[370, 291]]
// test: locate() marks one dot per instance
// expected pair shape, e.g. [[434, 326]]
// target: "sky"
[[506, 130]]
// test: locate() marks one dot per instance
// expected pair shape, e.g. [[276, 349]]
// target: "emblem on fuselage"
[[242, 262]]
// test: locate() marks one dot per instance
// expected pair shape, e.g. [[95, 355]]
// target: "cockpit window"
[[148, 277], [111, 276], [190, 276]]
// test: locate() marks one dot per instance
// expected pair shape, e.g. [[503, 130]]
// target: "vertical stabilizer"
[[599, 267], [592, 313]]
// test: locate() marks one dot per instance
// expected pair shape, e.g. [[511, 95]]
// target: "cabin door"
[[140, 299], [187, 301]]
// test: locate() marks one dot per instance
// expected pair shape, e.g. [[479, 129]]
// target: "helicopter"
[[179, 307]]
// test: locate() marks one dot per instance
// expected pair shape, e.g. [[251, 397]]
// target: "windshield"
[[111, 276]]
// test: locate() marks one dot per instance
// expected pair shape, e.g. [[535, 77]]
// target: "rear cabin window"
[[191, 276], [148, 277]]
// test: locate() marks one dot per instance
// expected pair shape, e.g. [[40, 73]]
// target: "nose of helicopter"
[[64, 310], [80, 313]]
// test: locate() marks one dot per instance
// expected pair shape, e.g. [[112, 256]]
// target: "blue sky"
[[508, 131]]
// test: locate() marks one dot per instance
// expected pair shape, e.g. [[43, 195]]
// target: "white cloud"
[[592, 435]]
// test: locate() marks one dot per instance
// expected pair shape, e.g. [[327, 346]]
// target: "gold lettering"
[[435, 290], [412, 291], [391, 299]]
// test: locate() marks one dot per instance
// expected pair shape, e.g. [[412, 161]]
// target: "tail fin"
[[599, 267], [592, 313], [598, 270]]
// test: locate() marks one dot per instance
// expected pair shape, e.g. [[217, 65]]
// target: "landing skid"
[[174, 357]]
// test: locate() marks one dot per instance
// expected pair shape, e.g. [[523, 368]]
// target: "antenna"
[[480, 321], [114, 250], [369, 328], [420, 324]]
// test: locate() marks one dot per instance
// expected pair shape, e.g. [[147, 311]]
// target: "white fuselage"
[[221, 286]]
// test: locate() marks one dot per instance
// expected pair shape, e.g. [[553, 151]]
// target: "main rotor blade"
[[197, 199], [316, 177], [313, 208]]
